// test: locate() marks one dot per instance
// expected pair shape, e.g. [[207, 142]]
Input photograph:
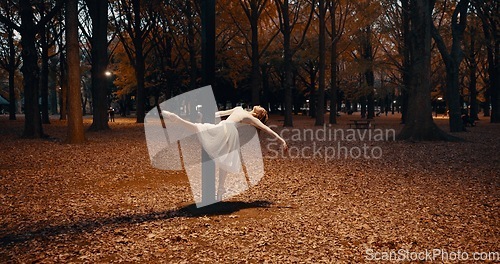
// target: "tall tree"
[[320, 115], [452, 60], [472, 65], [337, 31], [368, 58], [420, 124], [48, 36], [131, 16], [31, 72], [76, 133], [406, 59], [288, 19], [98, 10], [334, 87], [253, 10], [63, 79], [189, 13], [10, 59], [488, 13]]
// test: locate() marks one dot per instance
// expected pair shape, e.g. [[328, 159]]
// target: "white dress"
[[221, 142]]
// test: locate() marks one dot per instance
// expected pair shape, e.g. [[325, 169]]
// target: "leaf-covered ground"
[[103, 202]]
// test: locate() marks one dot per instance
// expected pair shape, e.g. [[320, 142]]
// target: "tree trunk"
[[473, 94], [255, 75], [265, 86], [370, 105], [369, 75], [362, 101], [33, 123], [452, 62], [169, 71], [63, 82], [53, 87], [313, 98], [44, 77], [75, 120], [473, 76], [333, 66], [488, 13], [12, 76], [98, 10], [140, 64], [453, 98], [494, 73], [141, 92], [287, 49], [320, 114], [420, 124], [193, 64], [406, 61]]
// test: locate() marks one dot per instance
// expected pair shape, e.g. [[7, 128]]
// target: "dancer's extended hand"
[[285, 146]]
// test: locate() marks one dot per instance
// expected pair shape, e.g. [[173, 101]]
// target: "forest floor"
[[104, 202]]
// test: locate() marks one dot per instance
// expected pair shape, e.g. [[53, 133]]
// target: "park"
[[361, 131], [111, 205]]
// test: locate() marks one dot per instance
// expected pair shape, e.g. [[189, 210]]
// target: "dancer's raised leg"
[[173, 118]]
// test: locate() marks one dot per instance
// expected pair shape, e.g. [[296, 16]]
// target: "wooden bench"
[[361, 124]]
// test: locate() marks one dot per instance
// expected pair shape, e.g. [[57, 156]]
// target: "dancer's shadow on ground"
[[222, 208], [86, 226]]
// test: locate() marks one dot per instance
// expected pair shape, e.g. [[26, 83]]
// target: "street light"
[[108, 73]]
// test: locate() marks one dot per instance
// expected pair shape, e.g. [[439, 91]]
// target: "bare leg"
[[221, 190], [173, 118]]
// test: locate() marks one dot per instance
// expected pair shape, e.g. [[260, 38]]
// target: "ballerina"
[[221, 141], [257, 117]]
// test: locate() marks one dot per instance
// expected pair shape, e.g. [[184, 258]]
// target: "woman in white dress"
[[221, 141]]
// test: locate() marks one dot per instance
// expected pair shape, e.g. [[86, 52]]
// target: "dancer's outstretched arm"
[[258, 124], [224, 113]]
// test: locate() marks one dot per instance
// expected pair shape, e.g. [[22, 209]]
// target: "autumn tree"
[[405, 52], [320, 115], [75, 119], [98, 11], [452, 59], [253, 10], [290, 15], [420, 124], [134, 20], [367, 12], [10, 59], [30, 69], [63, 74], [337, 29], [168, 62], [472, 52], [395, 42], [48, 36], [182, 19], [488, 14]]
